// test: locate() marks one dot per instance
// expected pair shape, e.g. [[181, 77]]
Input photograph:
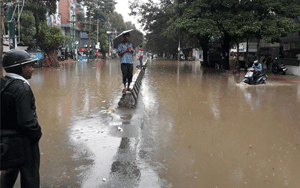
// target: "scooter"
[[276, 68], [191, 58], [61, 58], [250, 77]]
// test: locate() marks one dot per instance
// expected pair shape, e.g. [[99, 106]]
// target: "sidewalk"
[[288, 77]]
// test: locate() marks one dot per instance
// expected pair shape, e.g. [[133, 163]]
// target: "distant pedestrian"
[[298, 57], [268, 62], [19, 119], [232, 61], [125, 51], [140, 56]]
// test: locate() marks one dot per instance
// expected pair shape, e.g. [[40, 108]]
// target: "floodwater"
[[192, 127]]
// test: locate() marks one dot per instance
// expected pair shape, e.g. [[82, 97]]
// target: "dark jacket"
[[18, 111]]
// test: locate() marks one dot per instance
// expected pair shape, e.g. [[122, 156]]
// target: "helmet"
[[255, 62], [15, 58]]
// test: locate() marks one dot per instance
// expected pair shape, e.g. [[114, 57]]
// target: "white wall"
[[196, 53], [295, 70]]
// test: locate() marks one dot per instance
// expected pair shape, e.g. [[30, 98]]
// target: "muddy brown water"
[[192, 127]]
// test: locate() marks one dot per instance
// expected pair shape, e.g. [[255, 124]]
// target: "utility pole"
[[97, 30], [73, 37], [108, 33], [1, 35], [11, 25], [97, 37], [89, 37]]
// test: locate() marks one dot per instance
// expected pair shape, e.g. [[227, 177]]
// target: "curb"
[[129, 99]]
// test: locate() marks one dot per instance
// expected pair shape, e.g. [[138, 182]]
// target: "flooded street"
[[192, 127]]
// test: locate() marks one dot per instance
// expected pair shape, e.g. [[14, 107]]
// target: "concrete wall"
[[295, 70]]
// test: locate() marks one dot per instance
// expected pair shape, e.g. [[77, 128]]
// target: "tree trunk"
[[225, 42], [204, 40], [103, 54], [1, 36], [36, 18], [247, 54], [52, 55], [238, 56], [257, 51]]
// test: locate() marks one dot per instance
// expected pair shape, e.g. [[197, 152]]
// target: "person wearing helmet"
[[257, 66], [18, 114], [257, 69]]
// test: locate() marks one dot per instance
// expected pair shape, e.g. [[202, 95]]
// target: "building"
[[54, 19], [71, 12]]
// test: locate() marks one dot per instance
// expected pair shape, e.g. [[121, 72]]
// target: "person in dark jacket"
[[18, 113]]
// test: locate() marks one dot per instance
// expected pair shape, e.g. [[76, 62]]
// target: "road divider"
[[129, 99]]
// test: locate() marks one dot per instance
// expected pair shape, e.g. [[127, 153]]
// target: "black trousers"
[[127, 70], [30, 177]]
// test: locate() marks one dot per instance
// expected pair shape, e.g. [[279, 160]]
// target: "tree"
[[39, 10], [98, 10], [27, 29], [227, 20], [129, 25], [154, 19], [50, 40], [117, 21], [104, 43], [190, 18]]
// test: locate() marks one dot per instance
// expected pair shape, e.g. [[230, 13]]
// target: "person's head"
[[126, 37], [18, 62], [255, 62], [140, 46]]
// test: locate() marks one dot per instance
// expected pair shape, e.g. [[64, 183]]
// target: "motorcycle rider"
[[257, 69]]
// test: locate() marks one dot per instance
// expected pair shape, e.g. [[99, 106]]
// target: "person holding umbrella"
[[125, 51]]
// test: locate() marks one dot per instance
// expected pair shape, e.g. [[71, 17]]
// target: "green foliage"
[[129, 25], [99, 10], [104, 44], [117, 22], [154, 18], [39, 10], [228, 20], [108, 20], [27, 28], [50, 37]]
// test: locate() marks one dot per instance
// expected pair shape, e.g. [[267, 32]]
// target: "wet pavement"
[[192, 127]]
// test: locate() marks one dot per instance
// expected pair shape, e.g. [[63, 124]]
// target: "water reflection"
[[192, 127], [224, 135], [124, 169]]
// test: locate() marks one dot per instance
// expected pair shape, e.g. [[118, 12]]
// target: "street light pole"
[[97, 30], [11, 25], [1, 35]]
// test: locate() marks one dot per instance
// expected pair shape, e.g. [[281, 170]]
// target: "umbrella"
[[82, 49], [136, 37]]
